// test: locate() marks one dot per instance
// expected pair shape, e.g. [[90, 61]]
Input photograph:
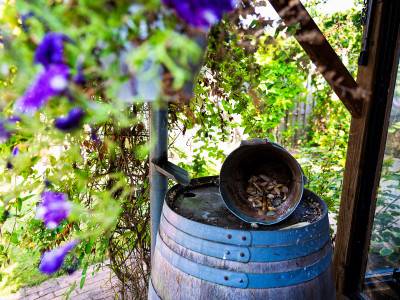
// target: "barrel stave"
[[173, 284], [195, 260]]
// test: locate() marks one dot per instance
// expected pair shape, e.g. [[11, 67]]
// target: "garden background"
[[255, 81]]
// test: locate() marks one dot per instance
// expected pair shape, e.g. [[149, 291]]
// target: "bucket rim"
[[230, 204]]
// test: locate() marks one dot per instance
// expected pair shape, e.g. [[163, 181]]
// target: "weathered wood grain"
[[171, 283], [365, 153]]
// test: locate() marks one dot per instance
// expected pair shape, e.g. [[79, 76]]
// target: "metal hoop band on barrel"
[[243, 280], [267, 253], [247, 238], [152, 294]]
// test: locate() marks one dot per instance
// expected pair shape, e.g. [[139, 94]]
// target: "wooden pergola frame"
[[369, 100]]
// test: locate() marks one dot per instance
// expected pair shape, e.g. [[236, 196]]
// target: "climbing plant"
[[80, 143]]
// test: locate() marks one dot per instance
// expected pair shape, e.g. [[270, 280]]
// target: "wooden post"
[[365, 151]]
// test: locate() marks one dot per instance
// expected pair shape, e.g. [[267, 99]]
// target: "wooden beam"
[[321, 53], [365, 151]]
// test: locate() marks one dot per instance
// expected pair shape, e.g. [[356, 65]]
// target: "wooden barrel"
[[204, 252]]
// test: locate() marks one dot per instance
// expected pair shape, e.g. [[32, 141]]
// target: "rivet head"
[[229, 236], [227, 252], [243, 238], [226, 277], [241, 254]]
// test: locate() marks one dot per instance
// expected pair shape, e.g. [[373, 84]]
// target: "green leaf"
[[19, 204], [386, 251], [83, 277], [14, 238]]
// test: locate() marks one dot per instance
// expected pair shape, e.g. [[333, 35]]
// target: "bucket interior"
[[267, 159]]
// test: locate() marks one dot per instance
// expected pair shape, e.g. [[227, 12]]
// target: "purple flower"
[[71, 121], [79, 78], [5, 132], [51, 50], [24, 18], [53, 209], [95, 138], [51, 82], [47, 183], [14, 119], [52, 260], [200, 13], [15, 151]]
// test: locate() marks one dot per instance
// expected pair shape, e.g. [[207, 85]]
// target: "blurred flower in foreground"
[[53, 209], [5, 133], [15, 151], [71, 121], [51, 82], [94, 137], [52, 260], [201, 13], [51, 49], [79, 78], [24, 18]]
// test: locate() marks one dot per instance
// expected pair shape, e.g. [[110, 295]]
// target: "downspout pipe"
[[158, 182]]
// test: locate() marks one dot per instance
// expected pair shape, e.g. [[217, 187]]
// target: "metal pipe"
[[158, 182]]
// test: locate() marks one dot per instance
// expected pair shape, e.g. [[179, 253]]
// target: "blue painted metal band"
[[207, 232], [243, 253], [281, 253], [243, 280], [260, 281], [247, 238], [223, 251], [223, 277], [292, 236]]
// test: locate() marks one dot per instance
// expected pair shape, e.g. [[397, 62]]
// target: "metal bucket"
[[255, 157]]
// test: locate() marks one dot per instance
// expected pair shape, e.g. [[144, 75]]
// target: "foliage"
[[125, 54], [386, 232], [255, 82]]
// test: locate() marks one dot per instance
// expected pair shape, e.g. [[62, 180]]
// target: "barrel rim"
[[237, 236]]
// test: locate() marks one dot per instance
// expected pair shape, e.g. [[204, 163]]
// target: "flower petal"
[[79, 78], [71, 121], [52, 82], [15, 151], [52, 260], [51, 49], [200, 13], [5, 133], [53, 209]]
